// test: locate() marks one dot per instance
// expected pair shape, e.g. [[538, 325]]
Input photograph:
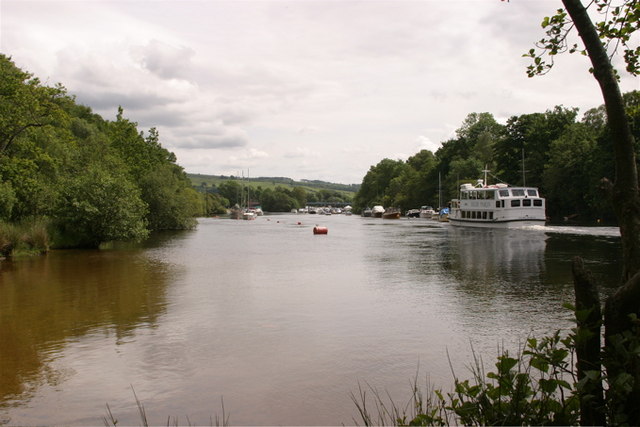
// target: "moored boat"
[[426, 212], [391, 213], [413, 213], [497, 205], [377, 211]]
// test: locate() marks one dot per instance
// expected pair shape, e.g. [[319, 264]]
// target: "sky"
[[306, 89]]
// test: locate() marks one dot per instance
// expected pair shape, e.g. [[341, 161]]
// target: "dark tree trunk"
[[588, 319], [620, 331]]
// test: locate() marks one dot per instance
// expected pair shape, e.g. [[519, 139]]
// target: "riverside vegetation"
[[69, 178]]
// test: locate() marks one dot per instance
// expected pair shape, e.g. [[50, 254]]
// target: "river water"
[[279, 324]]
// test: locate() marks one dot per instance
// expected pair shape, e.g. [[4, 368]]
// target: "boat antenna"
[[486, 171]]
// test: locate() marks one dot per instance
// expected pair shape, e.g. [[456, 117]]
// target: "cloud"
[[214, 136], [168, 62], [301, 153], [425, 143], [322, 89]]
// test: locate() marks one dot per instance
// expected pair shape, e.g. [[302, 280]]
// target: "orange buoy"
[[320, 230]]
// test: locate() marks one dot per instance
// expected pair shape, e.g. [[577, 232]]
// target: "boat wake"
[[586, 231]]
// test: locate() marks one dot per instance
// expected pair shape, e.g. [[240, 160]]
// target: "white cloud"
[[316, 90]]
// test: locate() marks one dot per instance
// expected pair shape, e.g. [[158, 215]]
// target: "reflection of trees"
[[48, 300], [600, 253]]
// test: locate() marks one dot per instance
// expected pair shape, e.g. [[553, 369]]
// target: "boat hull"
[[391, 215], [519, 223]]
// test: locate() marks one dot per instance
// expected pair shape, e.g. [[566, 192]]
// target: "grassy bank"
[[29, 237]]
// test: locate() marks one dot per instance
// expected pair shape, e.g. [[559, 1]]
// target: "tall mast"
[[439, 191]]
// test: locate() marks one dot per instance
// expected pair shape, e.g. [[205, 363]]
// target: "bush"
[[98, 207], [537, 387], [28, 237]]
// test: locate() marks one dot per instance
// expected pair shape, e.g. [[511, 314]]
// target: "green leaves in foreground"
[[530, 389], [537, 387]]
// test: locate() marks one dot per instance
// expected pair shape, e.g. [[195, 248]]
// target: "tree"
[[376, 181], [98, 206], [170, 199], [567, 176], [24, 103], [231, 190], [529, 136], [622, 309]]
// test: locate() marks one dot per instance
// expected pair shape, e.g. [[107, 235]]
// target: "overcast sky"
[[305, 89]]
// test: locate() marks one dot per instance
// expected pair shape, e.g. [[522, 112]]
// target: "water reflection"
[[47, 302], [486, 257]]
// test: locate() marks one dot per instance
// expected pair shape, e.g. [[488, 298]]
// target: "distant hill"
[[197, 180]]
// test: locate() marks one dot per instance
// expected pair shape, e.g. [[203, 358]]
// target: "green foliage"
[[536, 387], [7, 200], [214, 204], [97, 180], [619, 23], [98, 207], [25, 238], [172, 203], [376, 182], [278, 200]]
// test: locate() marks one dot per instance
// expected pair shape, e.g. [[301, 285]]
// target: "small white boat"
[[249, 214], [497, 206], [426, 212], [377, 211]]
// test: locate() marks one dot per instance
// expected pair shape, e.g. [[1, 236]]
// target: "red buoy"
[[320, 230]]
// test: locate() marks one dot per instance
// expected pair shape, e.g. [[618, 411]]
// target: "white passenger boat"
[[497, 206]]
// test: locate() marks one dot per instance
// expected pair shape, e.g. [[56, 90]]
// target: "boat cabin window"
[[504, 193], [537, 202], [515, 203], [490, 195], [532, 192], [517, 192], [526, 202]]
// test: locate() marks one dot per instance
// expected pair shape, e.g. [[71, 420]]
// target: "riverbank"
[[25, 238]]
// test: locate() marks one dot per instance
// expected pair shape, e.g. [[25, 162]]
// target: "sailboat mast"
[[439, 191]]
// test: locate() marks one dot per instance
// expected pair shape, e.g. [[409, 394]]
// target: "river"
[[278, 323]]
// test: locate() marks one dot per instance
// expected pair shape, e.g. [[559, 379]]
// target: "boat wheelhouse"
[[497, 206]]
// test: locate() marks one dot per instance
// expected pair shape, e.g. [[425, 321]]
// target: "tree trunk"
[[588, 319], [620, 332], [625, 189]]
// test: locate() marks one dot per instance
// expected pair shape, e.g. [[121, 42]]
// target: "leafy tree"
[[24, 103], [172, 203], [99, 206], [278, 200], [7, 200], [231, 190], [376, 181], [214, 204], [568, 173], [529, 136], [300, 195], [622, 309]]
